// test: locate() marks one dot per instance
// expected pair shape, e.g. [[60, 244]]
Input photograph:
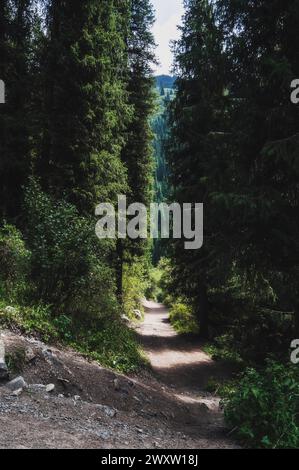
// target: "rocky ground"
[[57, 399]]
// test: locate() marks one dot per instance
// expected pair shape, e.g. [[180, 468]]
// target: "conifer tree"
[[137, 154], [16, 18], [196, 165], [85, 108]]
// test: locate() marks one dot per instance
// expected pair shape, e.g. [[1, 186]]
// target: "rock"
[[30, 355], [110, 412], [16, 384], [17, 393], [125, 319], [77, 398], [3, 366], [50, 357], [137, 314], [116, 384], [50, 388]]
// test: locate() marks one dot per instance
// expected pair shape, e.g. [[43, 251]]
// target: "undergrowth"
[[111, 343]]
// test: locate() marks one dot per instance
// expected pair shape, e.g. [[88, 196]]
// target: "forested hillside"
[[75, 133]]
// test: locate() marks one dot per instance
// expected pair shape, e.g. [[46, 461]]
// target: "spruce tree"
[[137, 153], [85, 108], [263, 61], [16, 18], [197, 169]]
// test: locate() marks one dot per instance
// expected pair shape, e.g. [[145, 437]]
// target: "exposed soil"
[[93, 407]]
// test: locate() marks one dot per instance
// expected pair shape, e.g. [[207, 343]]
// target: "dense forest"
[[234, 146], [84, 121], [75, 132]]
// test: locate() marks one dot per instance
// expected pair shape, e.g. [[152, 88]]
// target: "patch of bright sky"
[[168, 16]]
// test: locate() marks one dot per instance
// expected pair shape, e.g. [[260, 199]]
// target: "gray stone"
[[137, 314], [3, 366], [110, 412], [50, 388], [125, 319], [16, 384], [18, 392], [30, 355]]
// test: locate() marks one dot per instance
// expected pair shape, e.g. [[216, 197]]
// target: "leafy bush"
[[14, 264], [182, 319], [135, 283], [110, 343], [154, 291], [264, 409], [222, 349], [113, 345], [70, 265]]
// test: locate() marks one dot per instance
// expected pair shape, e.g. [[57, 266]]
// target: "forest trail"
[[177, 360], [93, 407]]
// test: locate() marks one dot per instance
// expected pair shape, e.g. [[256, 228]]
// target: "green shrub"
[[222, 349], [154, 291], [135, 283], [107, 341], [264, 409], [14, 265], [182, 319], [113, 345], [70, 265]]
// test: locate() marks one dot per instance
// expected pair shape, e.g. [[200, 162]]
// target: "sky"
[[168, 16]]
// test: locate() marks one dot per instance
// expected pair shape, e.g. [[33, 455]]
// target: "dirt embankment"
[[92, 407]]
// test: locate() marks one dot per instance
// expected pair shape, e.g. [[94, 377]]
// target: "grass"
[[111, 343]]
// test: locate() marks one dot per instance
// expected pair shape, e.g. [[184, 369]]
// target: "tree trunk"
[[203, 312]]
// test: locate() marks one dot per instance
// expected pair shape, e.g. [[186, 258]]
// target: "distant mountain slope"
[[165, 81]]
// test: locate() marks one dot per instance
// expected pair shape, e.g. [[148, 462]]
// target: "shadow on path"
[[178, 361]]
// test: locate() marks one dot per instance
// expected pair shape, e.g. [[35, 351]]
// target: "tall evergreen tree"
[[195, 161], [85, 109], [263, 61], [235, 136], [137, 154], [16, 18]]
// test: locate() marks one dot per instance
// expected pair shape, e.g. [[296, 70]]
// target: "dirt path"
[[93, 407], [178, 361]]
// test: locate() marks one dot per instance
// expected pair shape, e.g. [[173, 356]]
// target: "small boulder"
[[137, 314], [16, 384], [50, 388], [3, 366], [110, 412], [17, 393], [125, 319], [30, 355]]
